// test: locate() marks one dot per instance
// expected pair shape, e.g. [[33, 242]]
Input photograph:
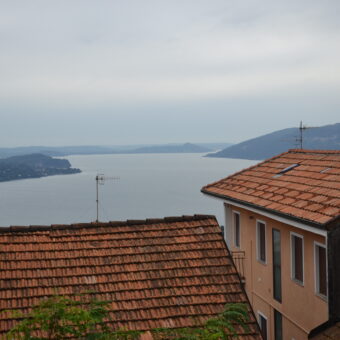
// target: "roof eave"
[[271, 211]]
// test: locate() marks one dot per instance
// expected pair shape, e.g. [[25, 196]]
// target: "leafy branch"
[[59, 317]]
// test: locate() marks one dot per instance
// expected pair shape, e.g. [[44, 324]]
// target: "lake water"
[[150, 185]]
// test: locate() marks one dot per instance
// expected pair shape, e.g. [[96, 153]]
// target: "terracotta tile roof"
[[330, 333], [300, 184], [170, 272]]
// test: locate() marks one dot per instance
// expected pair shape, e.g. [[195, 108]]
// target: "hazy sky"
[[76, 72]]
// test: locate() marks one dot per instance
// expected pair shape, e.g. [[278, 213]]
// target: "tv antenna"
[[100, 180], [302, 128]]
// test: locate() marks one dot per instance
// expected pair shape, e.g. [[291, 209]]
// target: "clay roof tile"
[[157, 272], [302, 184]]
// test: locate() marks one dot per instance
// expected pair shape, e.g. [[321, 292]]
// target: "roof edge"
[[321, 328], [315, 151], [168, 219], [271, 211]]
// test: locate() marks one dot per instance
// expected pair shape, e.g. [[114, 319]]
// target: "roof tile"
[[162, 272], [309, 191]]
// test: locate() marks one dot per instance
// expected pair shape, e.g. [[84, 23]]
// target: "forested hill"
[[325, 137], [33, 166]]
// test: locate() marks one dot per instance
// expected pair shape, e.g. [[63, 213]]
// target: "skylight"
[[291, 167]]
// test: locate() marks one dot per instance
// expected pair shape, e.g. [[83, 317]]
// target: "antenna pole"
[[100, 178], [302, 128], [97, 199]]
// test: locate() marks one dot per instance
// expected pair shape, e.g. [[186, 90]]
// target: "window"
[[320, 257], [263, 326], [277, 325], [236, 217], [277, 290], [261, 241], [297, 257]]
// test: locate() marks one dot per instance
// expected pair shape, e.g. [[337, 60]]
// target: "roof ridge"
[[318, 151], [98, 237], [183, 218]]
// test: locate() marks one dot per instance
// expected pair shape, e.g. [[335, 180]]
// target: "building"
[[172, 272], [282, 223]]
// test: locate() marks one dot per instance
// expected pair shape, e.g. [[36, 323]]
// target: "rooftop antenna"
[[100, 180], [302, 128]]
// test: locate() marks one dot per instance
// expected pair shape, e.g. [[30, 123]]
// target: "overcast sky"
[[107, 72]]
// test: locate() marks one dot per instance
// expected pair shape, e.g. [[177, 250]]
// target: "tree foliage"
[[59, 317], [225, 326]]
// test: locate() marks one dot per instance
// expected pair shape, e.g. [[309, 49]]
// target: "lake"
[[149, 186]]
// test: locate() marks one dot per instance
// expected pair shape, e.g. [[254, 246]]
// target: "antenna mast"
[[302, 128], [100, 179], [300, 139]]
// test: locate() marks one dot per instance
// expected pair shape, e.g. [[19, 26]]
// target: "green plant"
[[59, 317], [223, 327]]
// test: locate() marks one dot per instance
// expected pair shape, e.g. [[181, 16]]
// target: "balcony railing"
[[239, 258]]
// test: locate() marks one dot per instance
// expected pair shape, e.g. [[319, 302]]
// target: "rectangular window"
[[263, 326], [261, 241], [320, 269], [297, 257], [277, 325], [236, 229], [277, 288]]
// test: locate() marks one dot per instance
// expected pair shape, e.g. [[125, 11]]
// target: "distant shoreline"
[[62, 151], [33, 166]]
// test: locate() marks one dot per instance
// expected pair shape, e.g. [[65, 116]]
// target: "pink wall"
[[302, 309]]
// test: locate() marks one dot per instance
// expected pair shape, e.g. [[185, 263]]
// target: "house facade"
[[282, 226]]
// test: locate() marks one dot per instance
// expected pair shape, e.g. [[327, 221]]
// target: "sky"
[[111, 72]]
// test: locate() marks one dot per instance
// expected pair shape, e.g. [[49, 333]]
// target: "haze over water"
[[150, 185]]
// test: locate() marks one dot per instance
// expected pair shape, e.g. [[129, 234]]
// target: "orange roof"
[[171, 272], [299, 184], [329, 333]]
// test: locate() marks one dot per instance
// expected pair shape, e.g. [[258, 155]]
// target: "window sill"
[[322, 297], [262, 262], [298, 282]]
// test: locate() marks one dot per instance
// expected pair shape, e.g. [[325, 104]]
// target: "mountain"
[[33, 166], [57, 151], [183, 148], [266, 146], [214, 146], [60, 151]]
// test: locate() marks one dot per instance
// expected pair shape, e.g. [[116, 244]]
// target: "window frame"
[[234, 212], [316, 270], [260, 314], [275, 297], [292, 257], [258, 242], [277, 313]]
